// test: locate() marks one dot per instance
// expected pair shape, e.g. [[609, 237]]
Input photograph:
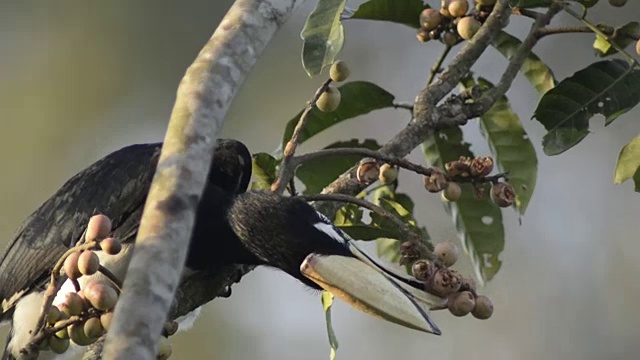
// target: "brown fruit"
[[483, 309], [74, 304], [93, 328], [423, 35], [88, 262], [468, 284], [481, 166], [467, 27], [411, 251], [436, 182], [458, 8], [101, 296], [617, 3], [77, 335], [452, 192], [447, 253], [444, 8], [449, 39], [368, 171], [461, 303], [99, 227], [430, 19], [57, 345], [423, 270], [329, 100], [71, 266], [503, 194], [388, 174], [111, 246], [339, 71], [106, 319], [461, 167], [445, 282]]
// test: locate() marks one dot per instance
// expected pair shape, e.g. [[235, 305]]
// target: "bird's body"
[[231, 227]]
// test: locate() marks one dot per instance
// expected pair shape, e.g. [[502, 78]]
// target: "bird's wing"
[[116, 186]]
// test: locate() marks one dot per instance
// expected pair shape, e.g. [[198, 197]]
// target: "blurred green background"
[[81, 79]]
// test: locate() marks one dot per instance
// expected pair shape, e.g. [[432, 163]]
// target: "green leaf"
[[622, 37], [478, 222], [350, 214], [327, 302], [538, 74], [264, 171], [524, 4], [511, 147], [388, 249], [358, 98], [323, 36], [610, 88], [367, 232], [406, 12], [629, 163], [320, 172]]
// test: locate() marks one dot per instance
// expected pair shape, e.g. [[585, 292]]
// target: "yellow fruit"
[[638, 47], [77, 335], [329, 100], [58, 345], [62, 333], [93, 328], [467, 27], [164, 349], [54, 315], [388, 174], [339, 71], [458, 8], [106, 319]]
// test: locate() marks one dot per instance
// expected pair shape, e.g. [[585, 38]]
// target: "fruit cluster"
[[370, 170], [329, 100], [442, 281], [453, 22], [466, 169]]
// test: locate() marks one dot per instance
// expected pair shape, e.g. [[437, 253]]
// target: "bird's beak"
[[369, 287]]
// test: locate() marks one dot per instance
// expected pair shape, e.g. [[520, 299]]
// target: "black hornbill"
[[232, 227]]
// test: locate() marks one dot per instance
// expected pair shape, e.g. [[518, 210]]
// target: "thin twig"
[[34, 343], [437, 67], [527, 13], [286, 169]]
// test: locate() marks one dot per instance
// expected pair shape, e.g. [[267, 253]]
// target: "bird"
[[232, 226]]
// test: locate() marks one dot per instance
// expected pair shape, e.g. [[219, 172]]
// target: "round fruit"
[[452, 192], [423, 270], [106, 319], [88, 262], [74, 303], [638, 47], [58, 345], [101, 296], [449, 39], [617, 3], [461, 303], [467, 27], [483, 309], [468, 284], [339, 71], [446, 252], [485, 2], [430, 19], [99, 227], [388, 174], [436, 182], [445, 282], [458, 8], [329, 100], [503, 194], [77, 335], [54, 315], [368, 171], [62, 333], [444, 8], [71, 266], [93, 328], [164, 349], [111, 246]]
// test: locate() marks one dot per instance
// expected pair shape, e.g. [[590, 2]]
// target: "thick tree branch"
[[202, 100]]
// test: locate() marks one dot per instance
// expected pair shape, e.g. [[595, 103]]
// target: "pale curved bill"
[[371, 291]]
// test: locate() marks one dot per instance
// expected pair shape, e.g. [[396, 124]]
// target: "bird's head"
[[289, 234]]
